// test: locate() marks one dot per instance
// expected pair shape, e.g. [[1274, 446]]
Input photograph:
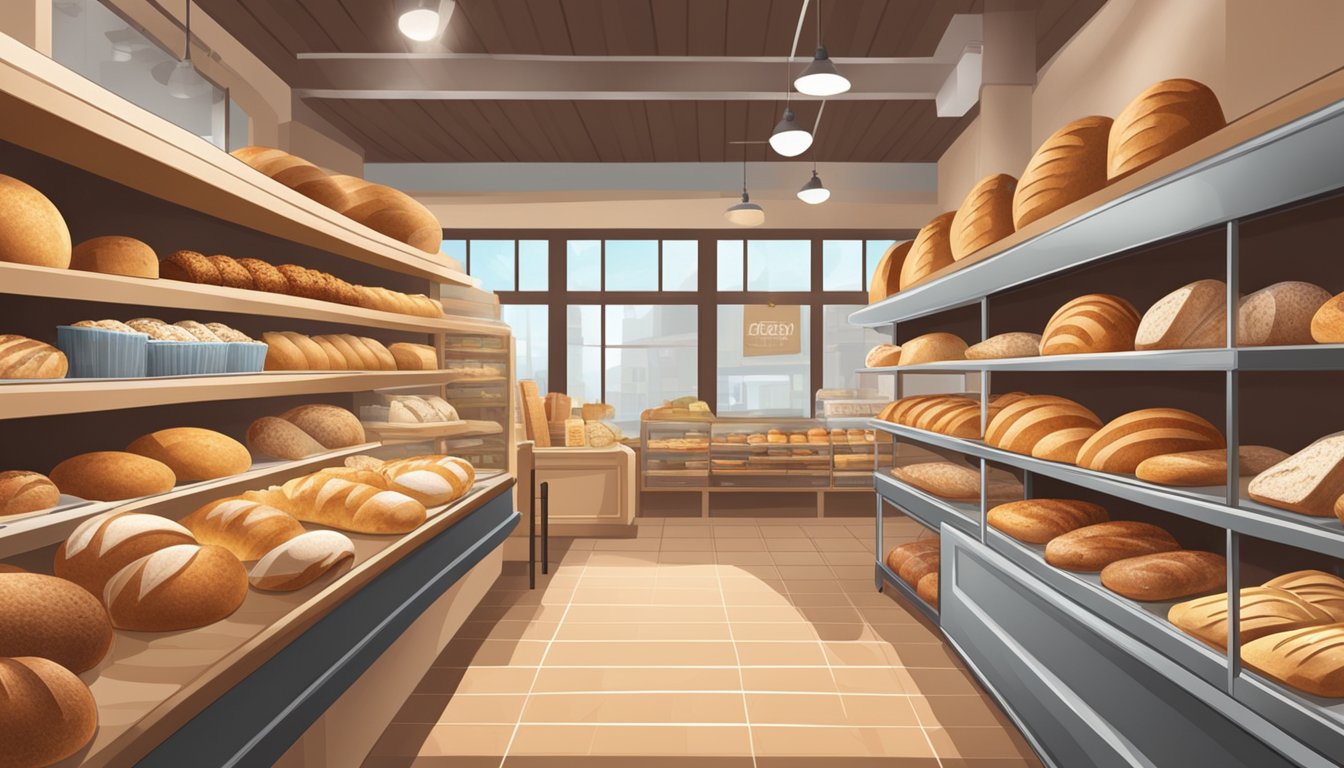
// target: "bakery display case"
[[675, 454], [787, 453], [856, 448]]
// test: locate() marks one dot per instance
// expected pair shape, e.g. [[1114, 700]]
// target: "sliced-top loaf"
[[1321, 589], [930, 251], [1096, 322], [985, 215], [1126, 441], [887, 277], [1310, 659], [1264, 611], [1025, 422], [1167, 117], [1068, 166]]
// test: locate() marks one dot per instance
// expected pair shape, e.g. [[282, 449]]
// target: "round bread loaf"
[[886, 279], [32, 230], [1165, 575], [1202, 468], [1126, 441], [112, 476], [927, 589], [276, 437], [882, 356], [190, 267], [24, 358], [297, 174], [1193, 316], [1264, 611], [1037, 521], [1321, 589], [1167, 117], [22, 492], [103, 545], [248, 529], [264, 276], [930, 251], [1281, 314], [1310, 659], [193, 453], [931, 348], [1068, 166], [900, 553], [1309, 482], [1004, 345], [1094, 547], [1063, 445], [179, 587], [331, 426], [46, 715], [231, 273], [1093, 323], [300, 561], [918, 565], [1327, 325], [116, 255], [985, 216], [53, 618]]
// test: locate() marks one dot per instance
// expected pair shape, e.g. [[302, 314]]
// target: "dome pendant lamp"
[[814, 192], [184, 82], [745, 213], [821, 78], [790, 139], [419, 19]]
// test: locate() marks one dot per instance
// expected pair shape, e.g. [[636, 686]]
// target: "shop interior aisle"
[[705, 643]]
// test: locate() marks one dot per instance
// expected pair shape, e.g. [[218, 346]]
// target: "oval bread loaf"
[[1199, 468], [46, 715], [956, 482], [882, 356], [918, 565], [282, 354], [32, 230], [927, 589], [426, 481], [265, 277], [193, 453], [1094, 547], [25, 358], [902, 552], [112, 476], [331, 426], [1264, 611], [22, 492], [1165, 575], [414, 357], [1068, 166], [178, 587], [886, 278], [1166, 117], [1321, 589], [1327, 325], [297, 174], [1037, 521], [115, 255], [53, 618], [1310, 659], [1280, 314], [336, 360], [1021, 424], [391, 212], [930, 251], [190, 267], [246, 528], [106, 543], [1193, 316], [299, 561], [273, 436], [1015, 344], [1310, 481], [985, 215], [350, 506], [1126, 441], [1093, 323], [931, 348], [1063, 445]]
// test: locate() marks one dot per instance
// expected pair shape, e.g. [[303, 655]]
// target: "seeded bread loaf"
[[265, 277], [1037, 521], [1310, 481], [189, 267], [1321, 589], [53, 618], [47, 713], [1310, 659], [956, 482], [1093, 323], [231, 273], [1094, 547], [1165, 118], [899, 554], [1264, 611], [886, 278], [985, 215], [1068, 166], [1022, 424], [179, 587], [1193, 316], [1015, 344], [1165, 575], [1280, 314], [1197, 468], [331, 426], [1126, 441], [930, 252]]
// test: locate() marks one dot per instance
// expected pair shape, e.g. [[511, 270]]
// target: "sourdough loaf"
[[331, 426], [1321, 589], [22, 492], [930, 251], [1264, 611], [1023, 423], [1163, 119], [918, 565], [272, 436], [1126, 441], [428, 481], [115, 255], [1197, 468], [46, 715], [882, 355], [112, 476], [1193, 316], [1309, 659], [886, 278], [931, 348], [179, 587], [32, 230], [391, 212], [1165, 575], [246, 528], [1094, 547], [956, 482], [53, 618], [1280, 314], [985, 215], [1096, 322], [1015, 344], [902, 552], [1327, 325], [1037, 521], [1310, 481], [103, 545], [1068, 166], [24, 358], [193, 453]]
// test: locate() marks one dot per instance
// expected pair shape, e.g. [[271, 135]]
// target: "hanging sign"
[[771, 330]]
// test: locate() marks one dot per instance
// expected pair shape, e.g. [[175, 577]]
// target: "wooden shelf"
[[453, 430], [54, 111]]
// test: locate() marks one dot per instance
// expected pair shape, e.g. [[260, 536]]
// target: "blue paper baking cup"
[[187, 358], [96, 353], [246, 357]]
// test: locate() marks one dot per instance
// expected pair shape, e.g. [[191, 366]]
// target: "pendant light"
[[419, 20], [821, 78], [790, 139], [814, 192], [185, 82], [745, 213]]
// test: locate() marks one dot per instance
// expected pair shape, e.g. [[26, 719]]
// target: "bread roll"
[[339, 503], [331, 426], [930, 251], [414, 357], [115, 255], [1264, 611], [1068, 166], [1165, 575], [956, 482], [265, 277], [53, 618], [1037, 521], [179, 587], [1193, 316], [883, 355], [1093, 323], [112, 476], [22, 492], [1125, 442], [1094, 547], [1327, 325], [1321, 589], [1310, 659], [985, 215], [1280, 314], [927, 589], [918, 565], [300, 561], [297, 174], [1198, 468], [103, 545], [246, 528], [886, 278], [1015, 344], [276, 437], [1063, 445], [932, 347], [335, 358], [46, 715], [189, 267], [315, 359], [194, 454], [24, 358], [1308, 482], [32, 230], [1167, 117]]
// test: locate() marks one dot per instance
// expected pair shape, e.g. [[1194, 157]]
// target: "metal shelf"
[[883, 575], [1311, 357], [1318, 722], [929, 510]]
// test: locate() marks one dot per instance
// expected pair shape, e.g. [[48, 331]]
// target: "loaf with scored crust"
[[46, 713], [1321, 589], [1093, 323], [1196, 468], [886, 278], [1264, 611], [1126, 441], [179, 587], [1193, 316], [1068, 166], [1165, 575], [1037, 521], [106, 543], [1024, 423], [296, 173], [24, 358], [985, 215], [1309, 659], [1166, 117], [930, 252], [1094, 547], [348, 506]]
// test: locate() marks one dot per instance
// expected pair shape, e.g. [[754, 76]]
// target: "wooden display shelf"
[[473, 353], [31, 398], [388, 431]]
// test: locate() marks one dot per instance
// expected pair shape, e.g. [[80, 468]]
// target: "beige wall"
[[28, 21]]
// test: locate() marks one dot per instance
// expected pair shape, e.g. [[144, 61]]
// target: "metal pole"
[[545, 527], [532, 532]]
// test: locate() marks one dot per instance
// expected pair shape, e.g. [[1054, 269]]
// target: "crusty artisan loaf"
[[189, 267], [342, 353], [1264, 611], [368, 361], [985, 215], [1094, 547], [1127, 440], [919, 564], [22, 492], [1096, 322], [930, 251], [956, 482], [931, 348], [298, 562], [1193, 316], [24, 358], [460, 466], [315, 358], [1327, 325], [273, 436], [330, 425], [427, 481], [414, 357], [282, 354], [882, 355], [1015, 344], [193, 453], [1021, 424], [391, 212], [902, 552], [1063, 445], [336, 359], [32, 230], [1310, 659], [1165, 575], [1037, 521], [1165, 118], [106, 543], [296, 173], [1196, 468], [338, 503], [1067, 167], [231, 273], [53, 618], [112, 476], [1321, 589], [46, 713], [1280, 314], [115, 255], [178, 587], [927, 589], [386, 361], [246, 528], [1310, 481], [265, 277], [886, 278]]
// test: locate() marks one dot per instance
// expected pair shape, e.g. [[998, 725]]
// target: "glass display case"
[[675, 454], [479, 390], [856, 449], [793, 453]]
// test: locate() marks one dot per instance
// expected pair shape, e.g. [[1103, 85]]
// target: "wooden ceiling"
[[633, 131]]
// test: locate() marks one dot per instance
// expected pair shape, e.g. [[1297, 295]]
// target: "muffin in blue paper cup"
[[103, 349], [246, 357], [187, 358]]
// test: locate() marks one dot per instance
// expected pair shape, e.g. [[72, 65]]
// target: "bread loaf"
[[22, 492], [297, 174], [265, 277], [391, 212], [1015, 344], [52, 618], [246, 528], [115, 255], [1197, 468], [1327, 325], [902, 552], [886, 279], [1264, 611], [1035, 424], [314, 357], [426, 481], [1165, 575], [1281, 314], [1308, 482], [339, 503], [112, 476], [882, 355], [927, 589], [985, 215], [956, 482], [386, 362], [930, 251], [1093, 323], [414, 357], [1037, 521], [932, 347], [190, 267], [231, 273], [597, 411], [1310, 659], [102, 545], [1015, 410], [24, 358], [194, 454], [1094, 547], [1193, 316], [299, 561], [1165, 118], [46, 713], [1126, 441], [918, 565], [331, 426], [1067, 167], [1063, 445], [276, 437], [1321, 589], [179, 587], [283, 353], [336, 359], [458, 466], [32, 230]]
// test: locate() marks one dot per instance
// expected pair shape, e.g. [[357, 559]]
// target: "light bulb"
[[789, 139], [421, 24], [821, 78], [814, 192], [745, 213]]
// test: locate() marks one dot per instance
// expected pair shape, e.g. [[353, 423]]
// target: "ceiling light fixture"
[[420, 20], [814, 192], [790, 139], [745, 213], [185, 82], [821, 78]]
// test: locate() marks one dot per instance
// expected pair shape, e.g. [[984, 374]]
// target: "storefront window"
[[680, 268], [533, 265], [583, 352], [843, 349], [730, 266], [531, 342], [650, 357], [779, 265], [492, 262], [773, 385], [583, 263], [631, 265], [842, 265], [873, 252]]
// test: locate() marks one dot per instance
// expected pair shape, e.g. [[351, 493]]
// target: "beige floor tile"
[[828, 532], [731, 561], [844, 632], [870, 680], [841, 545], [830, 613], [854, 571], [517, 613], [631, 708], [806, 573], [758, 654], [672, 741], [644, 631], [794, 630], [738, 614], [739, 544], [796, 709], [973, 742], [826, 586], [446, 680], [594, 679], [552, 740], [685, 531], [641, 654], [790, 545], [687, 544], [484, 709], [782, 532], [645, 613], [633, 560], [956, 711], [938, 682], [788, 679], [929, 655], [411, 739], [736, 531], [861, 654], [880, 710], [859, 586], [840, 742], [762, 573], [686, 596], [797, 558], [685, 558], [903, 634], [492, 653], [510, 597], [754, 597], [689, 579], [508, 630], [628, 545]]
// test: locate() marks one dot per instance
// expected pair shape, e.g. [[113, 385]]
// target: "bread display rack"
[[1242, 206], [244, 689]]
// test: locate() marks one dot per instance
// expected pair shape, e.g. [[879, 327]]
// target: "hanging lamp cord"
[[187, 57]]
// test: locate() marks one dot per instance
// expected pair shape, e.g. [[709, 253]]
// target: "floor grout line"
[[741, 679]]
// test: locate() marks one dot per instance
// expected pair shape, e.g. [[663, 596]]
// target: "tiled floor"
[[735, 642]]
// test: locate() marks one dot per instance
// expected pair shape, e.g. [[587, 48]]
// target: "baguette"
[[1165, 575], [178, 587], [1094, 547], [106, 543], [1321, 589], [1308, 482], [338, 503], [246, 528], [1201, 468], [1093, 323], [1126, 441], [1309, 659], [53, 618], [1037, 521], [1193, 316], [299, 561], [427, 481], [985, 215], [46, 713], [1264, 611]]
